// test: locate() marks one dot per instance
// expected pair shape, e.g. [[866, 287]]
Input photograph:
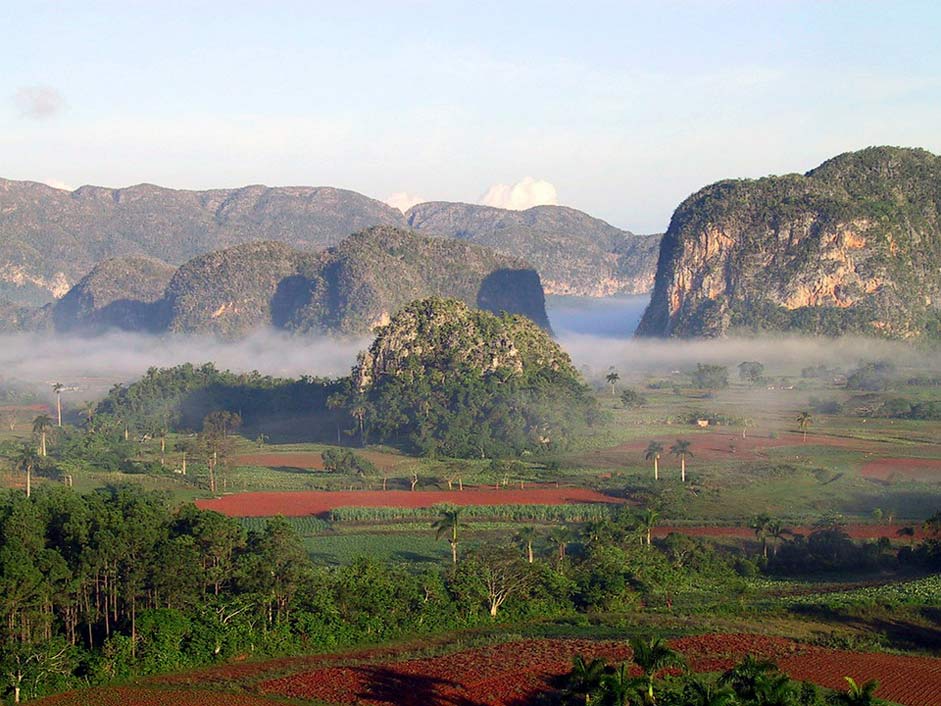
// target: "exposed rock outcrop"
[[853, 246]]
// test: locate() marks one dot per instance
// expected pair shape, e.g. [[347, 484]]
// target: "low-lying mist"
[[92, 364], [778, 353]]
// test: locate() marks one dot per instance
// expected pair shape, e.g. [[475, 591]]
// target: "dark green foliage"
[[345, 461], [871, 377], [710, 377], [751, 371], [180, 398], [632, 399]]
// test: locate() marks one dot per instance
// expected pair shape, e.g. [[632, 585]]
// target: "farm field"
[[507, 673], [318, 503]]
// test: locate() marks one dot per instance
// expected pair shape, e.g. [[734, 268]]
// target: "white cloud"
[[403, 200], [58, 184], [38, 101], [525, 193]]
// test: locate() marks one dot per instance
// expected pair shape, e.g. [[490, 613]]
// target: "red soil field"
[[904, 468], [315, 502], [511, 673]]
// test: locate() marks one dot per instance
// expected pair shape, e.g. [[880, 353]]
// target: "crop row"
[[578, 512]]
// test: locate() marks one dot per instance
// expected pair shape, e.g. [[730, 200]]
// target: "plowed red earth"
[[507, 674], [298, 504], [512, 673], [903, 468]]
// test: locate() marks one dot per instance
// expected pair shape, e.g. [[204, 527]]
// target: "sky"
[[619, 109]]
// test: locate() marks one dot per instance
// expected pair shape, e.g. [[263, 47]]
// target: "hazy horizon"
[[507, 105]]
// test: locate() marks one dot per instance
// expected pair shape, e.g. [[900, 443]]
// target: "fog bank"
[[95, 363], [778, 353]]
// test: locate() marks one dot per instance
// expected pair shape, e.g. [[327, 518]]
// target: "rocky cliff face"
[[349, 289], [853, 246], [573, 252]]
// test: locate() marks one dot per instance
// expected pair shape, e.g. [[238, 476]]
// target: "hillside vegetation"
[[853, 246], [573, 252], [348, 289]]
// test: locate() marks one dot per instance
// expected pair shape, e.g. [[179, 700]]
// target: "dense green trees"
[[117, 582]]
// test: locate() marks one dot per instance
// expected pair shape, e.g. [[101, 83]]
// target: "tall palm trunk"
[[59, 407], [656, 468], [42, 443], [683, 467]]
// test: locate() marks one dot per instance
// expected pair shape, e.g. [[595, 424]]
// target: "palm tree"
[[652, 656], [858, 694], [88, 411], [612, 378], [699, 692], [681, 449], [648, 520], [585, 678], [654, 449], [560, 536], [747, 422], [26, 460], [775, 690], [747, 677], [57, 387], [760, 524], [526, 536], [41, 426], [447, 525], [804, 420], [617, 686], [777, 531], [932, 525]]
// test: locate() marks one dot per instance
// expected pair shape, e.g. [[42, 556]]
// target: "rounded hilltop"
[[443, 377]]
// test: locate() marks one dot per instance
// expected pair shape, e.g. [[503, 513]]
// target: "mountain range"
[[345, 290], [51, 238]]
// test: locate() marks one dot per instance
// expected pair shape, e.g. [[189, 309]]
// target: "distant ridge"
[[346, 290], [574, 252], [51, 238]]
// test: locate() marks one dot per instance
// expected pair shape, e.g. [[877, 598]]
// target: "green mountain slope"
[[52, 237], [853, 246], [573, 252], [348, 289]]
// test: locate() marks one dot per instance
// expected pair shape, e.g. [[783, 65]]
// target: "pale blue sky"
[[625, 107]]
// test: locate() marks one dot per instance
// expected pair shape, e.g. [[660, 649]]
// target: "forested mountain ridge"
[[348, 289], [50, 238], [853, 246], [573, 252]]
